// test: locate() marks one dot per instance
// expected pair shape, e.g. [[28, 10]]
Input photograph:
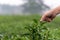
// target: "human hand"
[[48, 16]]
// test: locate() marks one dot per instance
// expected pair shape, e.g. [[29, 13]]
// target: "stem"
[[47, 34]]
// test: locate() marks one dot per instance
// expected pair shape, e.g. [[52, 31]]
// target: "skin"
[[50, 15]]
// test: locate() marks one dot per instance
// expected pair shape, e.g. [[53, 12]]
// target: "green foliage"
[[28, 28], [37, 31]]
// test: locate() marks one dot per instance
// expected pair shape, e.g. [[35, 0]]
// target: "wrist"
[[57, 13], [56, 10]]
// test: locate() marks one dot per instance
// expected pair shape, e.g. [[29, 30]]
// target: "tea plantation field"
[[14, 28]]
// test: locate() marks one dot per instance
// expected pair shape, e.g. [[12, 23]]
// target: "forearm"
[[56, 10]]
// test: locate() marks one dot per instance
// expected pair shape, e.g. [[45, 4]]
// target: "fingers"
[[43, 18], [53, 17], [48, 20], [48, 17]]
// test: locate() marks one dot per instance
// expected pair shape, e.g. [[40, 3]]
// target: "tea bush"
[[28, 28]]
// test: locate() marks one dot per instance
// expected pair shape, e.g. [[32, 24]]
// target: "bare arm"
[[51, 14]]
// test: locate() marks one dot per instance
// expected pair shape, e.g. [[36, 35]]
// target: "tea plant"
[[37, 31], [24, 28]]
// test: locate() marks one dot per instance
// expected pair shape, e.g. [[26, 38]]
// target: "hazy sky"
[[12, 2], [51, 3]]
